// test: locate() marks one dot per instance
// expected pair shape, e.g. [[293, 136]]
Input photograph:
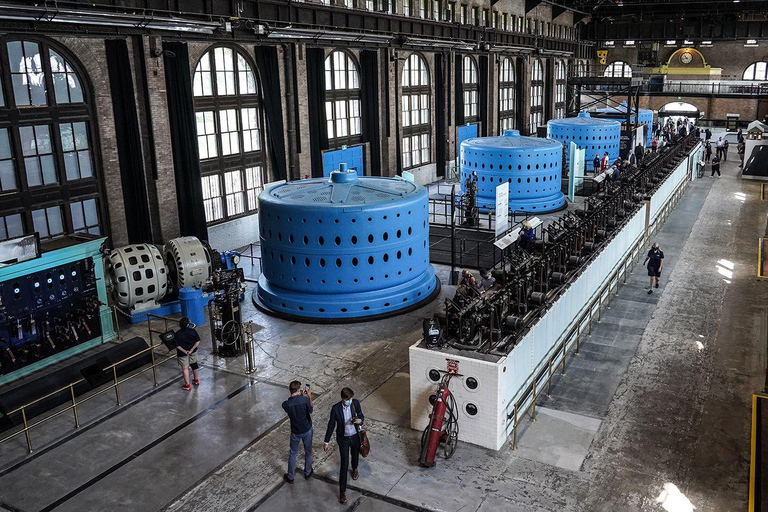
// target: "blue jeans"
[[306, 439]]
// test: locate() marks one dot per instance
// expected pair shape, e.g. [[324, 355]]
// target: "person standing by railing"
[[725, 150], [719, 148], [707, 152], [187, 341]]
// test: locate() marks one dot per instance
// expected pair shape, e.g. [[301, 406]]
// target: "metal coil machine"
[[620, 113], [531, 166], [596, 136], [344, 248]]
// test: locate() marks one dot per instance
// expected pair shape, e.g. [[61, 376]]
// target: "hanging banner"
[[575, 169], [502, 209]]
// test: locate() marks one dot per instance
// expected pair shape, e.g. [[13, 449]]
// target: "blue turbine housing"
[[344, 248], [593, 134], [531, 166]]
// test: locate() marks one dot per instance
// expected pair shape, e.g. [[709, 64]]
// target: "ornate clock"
[[686, 58]]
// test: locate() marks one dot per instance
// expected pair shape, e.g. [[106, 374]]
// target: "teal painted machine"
[[53, 307]]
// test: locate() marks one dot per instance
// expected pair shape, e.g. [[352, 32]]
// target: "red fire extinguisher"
[[443, 427]]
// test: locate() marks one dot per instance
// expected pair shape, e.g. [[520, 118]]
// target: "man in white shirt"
[[346, 416]]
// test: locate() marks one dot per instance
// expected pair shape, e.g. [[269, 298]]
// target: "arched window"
[[537, 95], [507, 97], [560, 83], [581, 69], [469, 84], [756, 71], [229, 133], [618, 69], [342, 99], [415, 112], [49, 177]]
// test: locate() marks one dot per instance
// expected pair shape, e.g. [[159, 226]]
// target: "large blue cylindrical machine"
[[531, 166], [596, 136], [620, 113], [344, 248]]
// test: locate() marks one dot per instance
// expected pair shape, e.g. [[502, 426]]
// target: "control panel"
[[47, 311]]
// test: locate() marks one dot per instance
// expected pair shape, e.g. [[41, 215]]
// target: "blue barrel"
[[620, 111], [532, 167], [596, 136], [192, 304], [344, 247]]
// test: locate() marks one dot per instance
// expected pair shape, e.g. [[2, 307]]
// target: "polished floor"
[[656, 407]]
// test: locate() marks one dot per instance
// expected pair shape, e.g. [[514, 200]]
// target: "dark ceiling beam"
[[531, 5]]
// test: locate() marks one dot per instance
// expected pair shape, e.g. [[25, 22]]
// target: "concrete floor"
[[659, 396]]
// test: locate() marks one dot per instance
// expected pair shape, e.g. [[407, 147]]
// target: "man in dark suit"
[[345, 417]]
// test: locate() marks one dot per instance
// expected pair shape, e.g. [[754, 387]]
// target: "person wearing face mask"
[[655, 262], [345, 417]]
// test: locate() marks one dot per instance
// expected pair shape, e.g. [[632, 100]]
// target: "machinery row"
[[56, 303], [532, 277]]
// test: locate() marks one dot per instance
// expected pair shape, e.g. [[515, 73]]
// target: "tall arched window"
[[229, 133], [342, 99], [49, 177], [756, 71], [469, 84], [618, 69], [581, 69], [507, 97], [560, 83], [537, 95], [415, 112]]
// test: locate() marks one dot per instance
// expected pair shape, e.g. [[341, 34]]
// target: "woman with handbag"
[[346, 418]]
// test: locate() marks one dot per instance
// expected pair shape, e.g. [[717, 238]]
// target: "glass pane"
[[16, 57], [49, 171], [5, 146], [54, 220], [91, 213], [67, 137], [20, 91], [84, 159], [70, 166], [78, 221], [14, 225], [39, 223], [81, 135], [7, 176], [34, 178]]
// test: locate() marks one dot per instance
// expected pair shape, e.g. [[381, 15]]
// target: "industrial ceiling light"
[[629, 43], [418, 42], [326, 35], [609, 43], [106, 19], [751, 43], [688, 42], [671, 42]]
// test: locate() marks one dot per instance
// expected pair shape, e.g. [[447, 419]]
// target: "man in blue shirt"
[[187, 341], [299, 409]]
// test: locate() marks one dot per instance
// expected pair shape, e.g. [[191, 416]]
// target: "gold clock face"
[[686, 57]]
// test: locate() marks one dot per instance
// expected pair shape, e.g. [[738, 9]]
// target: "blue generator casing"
[[344, 248], [620, 113], [592, 134], [531, 166]]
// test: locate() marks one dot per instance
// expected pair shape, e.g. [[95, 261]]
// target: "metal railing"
[[570, 343], [76, 402], [249, 253]]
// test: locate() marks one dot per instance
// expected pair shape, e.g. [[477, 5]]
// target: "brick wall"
[[92, 55]]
